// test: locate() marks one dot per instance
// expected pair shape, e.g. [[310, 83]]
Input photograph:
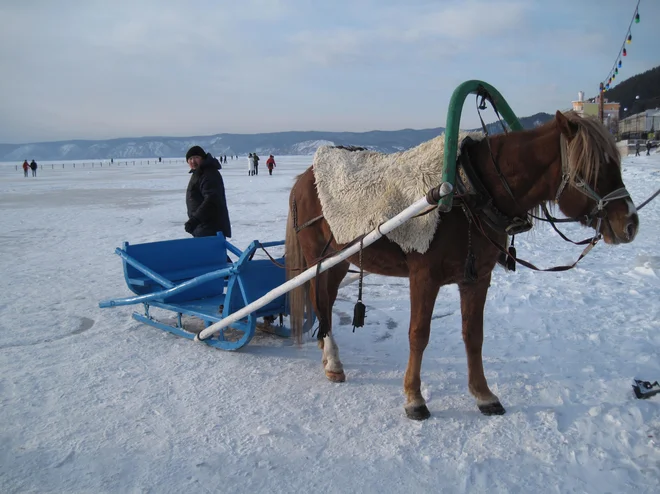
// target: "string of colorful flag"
[[623, 52]]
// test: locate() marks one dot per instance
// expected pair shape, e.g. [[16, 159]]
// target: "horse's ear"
[[566, 127]]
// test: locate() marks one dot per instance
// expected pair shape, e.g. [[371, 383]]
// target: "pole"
[[601, 101], [352, 278], [412, 210]]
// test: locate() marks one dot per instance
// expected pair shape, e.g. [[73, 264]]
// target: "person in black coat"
[[205, 197]]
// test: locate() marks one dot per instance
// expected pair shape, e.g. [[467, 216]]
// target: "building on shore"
[[590, 107], [644, 125]]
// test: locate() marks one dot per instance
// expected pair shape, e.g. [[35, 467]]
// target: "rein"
[[653, 196], [294, 211], [527, 264], [599, 213]]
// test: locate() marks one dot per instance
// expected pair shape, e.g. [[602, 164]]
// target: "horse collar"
[[473, 193]]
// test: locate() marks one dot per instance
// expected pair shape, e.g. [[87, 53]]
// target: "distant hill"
[[278, 143], [527, 123], [645, 85]]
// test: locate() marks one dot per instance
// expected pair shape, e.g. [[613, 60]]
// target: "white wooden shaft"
[[352, 278], [419, 206]]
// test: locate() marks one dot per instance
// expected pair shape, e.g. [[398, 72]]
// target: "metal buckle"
[[518, 225]]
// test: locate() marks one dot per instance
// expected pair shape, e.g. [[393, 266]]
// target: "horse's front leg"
[[423, 292], [473, 300], [332, 366]]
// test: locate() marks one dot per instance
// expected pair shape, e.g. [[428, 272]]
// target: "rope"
[[648, 200]]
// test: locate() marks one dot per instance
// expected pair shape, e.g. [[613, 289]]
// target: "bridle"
[[599, 213]]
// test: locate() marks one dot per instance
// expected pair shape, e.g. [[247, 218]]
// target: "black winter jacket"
[[205, 199]]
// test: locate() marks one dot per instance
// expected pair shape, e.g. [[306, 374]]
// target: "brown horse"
[[536, 166]]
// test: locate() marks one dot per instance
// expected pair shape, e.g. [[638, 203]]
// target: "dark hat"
[[195, 151]]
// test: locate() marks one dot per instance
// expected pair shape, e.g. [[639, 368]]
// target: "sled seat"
[[256, 278], [176, 276], [174, 262]]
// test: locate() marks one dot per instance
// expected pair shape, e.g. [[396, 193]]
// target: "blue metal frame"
[[178, 330], [175, 290], [234, 296], [142, 268]]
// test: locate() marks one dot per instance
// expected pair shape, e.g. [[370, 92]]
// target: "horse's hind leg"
[[473, 300], [323, 300]]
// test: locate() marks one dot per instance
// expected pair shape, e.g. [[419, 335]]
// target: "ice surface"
[[93, 401]]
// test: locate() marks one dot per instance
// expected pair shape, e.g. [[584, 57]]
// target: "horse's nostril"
[[630, 230]]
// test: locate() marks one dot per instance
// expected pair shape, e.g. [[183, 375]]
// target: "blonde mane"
[[590, 148]]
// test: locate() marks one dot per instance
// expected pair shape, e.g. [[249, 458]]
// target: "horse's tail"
[[299, 298]]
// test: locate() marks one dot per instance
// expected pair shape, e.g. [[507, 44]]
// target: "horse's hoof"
[[492, 409], [420, 412], [335, 377]]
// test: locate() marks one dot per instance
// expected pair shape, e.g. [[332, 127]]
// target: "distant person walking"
[[648, 148], [256, 163], [26, 167], [270, 163], [33, 167], [205, 198], [250, 165]]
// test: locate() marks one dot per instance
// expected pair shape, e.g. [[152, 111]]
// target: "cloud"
[[464, 22], [91, 68], [405, 33]]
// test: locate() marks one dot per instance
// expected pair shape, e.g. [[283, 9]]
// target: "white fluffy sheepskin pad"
[[359, 190]]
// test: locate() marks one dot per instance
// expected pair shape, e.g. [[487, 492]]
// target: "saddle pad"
[[359, 190]]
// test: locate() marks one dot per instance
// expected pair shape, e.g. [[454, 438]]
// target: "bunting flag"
[[607, 83]]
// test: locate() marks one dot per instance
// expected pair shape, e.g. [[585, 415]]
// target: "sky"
[[95, 69]]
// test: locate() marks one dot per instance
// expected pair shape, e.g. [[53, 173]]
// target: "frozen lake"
[[93, 401]]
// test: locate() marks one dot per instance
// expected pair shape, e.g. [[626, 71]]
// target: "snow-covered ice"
[[92, 401]]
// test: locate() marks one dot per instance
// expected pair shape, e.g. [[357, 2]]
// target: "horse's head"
[[591, 186]]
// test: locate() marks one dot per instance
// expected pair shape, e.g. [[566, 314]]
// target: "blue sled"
[[194, 276]]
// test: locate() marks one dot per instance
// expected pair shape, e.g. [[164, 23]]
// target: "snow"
[[310, 147], [92, 401], [23, 151], [67, 148]]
